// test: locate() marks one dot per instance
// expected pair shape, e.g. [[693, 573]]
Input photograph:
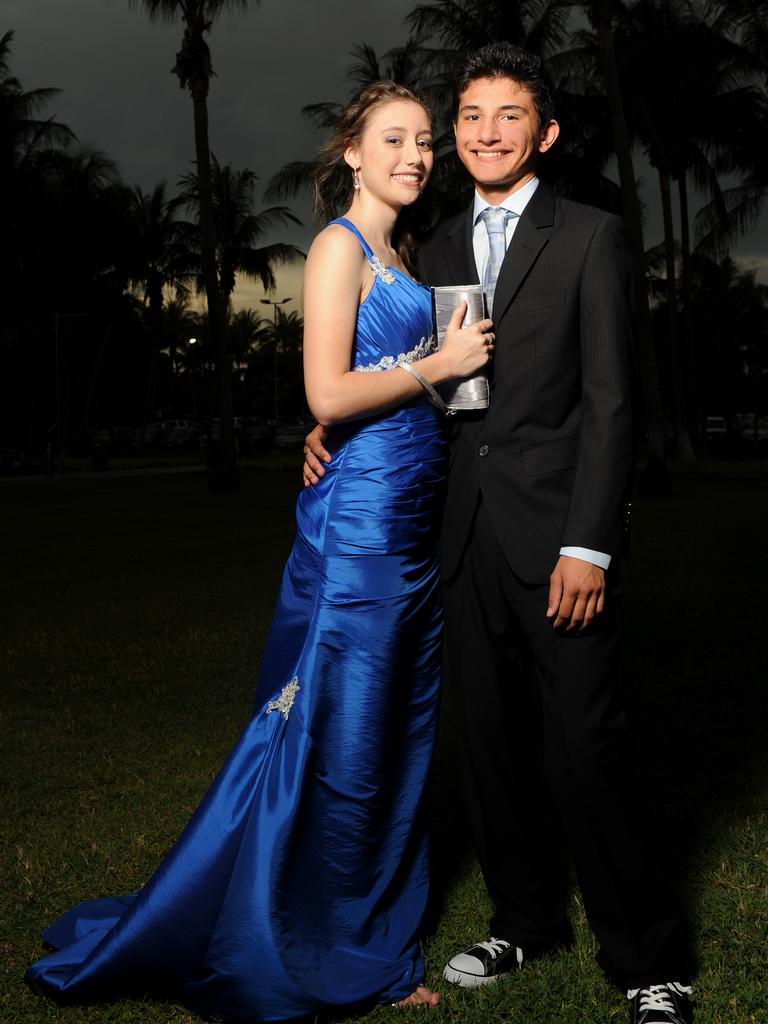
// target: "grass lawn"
[[134, 610]]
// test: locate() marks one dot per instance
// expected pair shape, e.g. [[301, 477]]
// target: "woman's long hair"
[[333, 177]]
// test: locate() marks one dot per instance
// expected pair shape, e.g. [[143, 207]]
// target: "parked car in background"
[[291, 435], [749, 430], [716, 428], [178, 437], [211, 434], [115, 440], [186, 432], [256, 435], [152, 434]]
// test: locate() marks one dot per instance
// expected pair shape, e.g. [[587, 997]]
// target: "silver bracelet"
[[433, 396]]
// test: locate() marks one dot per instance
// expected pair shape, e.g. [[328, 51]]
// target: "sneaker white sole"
[[469, 980]]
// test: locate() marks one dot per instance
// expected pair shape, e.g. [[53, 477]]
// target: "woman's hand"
[[465, 350], [315, 454]]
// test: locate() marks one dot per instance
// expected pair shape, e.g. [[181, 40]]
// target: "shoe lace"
[[498, 946], [495, 946], [659, 997]]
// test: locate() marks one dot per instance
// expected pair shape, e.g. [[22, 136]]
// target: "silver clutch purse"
[[472, 392]]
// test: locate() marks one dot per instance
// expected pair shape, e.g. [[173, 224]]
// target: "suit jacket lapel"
[[530, 237], [458, 251]]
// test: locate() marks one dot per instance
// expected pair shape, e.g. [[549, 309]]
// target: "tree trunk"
[[655, 480], [85, 422], [29, 350], [155, 296], [685, 450], [224, 464], [694, 410]]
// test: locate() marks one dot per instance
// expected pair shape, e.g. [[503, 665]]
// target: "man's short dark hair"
[[505, 60]]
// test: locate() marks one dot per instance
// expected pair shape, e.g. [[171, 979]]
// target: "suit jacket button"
[[484, 449]]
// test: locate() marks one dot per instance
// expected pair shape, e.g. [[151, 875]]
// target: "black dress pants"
[[557, 761]]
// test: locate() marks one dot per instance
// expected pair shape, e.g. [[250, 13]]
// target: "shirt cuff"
[[588, 555]]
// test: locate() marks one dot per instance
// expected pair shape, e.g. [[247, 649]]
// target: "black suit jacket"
[[552, 456]]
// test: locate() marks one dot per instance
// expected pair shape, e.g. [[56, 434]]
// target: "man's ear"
[[548, 135]]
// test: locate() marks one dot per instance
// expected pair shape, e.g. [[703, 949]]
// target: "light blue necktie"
[[495, 219]]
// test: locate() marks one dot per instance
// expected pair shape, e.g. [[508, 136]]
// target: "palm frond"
[[258, 264], [718, 224], [271, 217], [366, 69], [290, 180], [459, 24], [200, 10], [323, 115]]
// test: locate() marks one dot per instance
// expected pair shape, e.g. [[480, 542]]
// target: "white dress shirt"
[[516, 203]]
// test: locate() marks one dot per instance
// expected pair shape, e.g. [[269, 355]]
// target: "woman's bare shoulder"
[[337, 243]]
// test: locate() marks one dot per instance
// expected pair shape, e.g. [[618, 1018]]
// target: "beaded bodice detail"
[[423, 348], [381, 269]]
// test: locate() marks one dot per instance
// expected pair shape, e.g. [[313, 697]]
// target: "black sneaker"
[[484, 963], [661, 1004]]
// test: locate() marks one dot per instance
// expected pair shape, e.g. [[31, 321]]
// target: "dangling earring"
[[355, 180]]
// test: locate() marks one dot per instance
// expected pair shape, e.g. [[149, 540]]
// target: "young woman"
[[300, 882]]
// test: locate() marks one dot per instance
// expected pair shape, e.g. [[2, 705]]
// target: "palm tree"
[[601, 14], [69, 323], [246, 329], [730, 316], [181, 330], [687, 116], [284, 336], [237, 229], [178, 323], [733, 210], [463, 25], [63, 256], [731, 213], [26, 144], [81, 223], [194, 69], [156, 252], [402, 64], [157, 259], [22, 133]]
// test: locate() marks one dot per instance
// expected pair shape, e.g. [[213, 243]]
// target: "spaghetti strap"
[[380, 269], [351, 227]]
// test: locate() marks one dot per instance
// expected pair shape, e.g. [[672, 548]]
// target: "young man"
[[535, 513]]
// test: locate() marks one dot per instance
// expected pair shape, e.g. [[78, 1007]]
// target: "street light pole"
[[275, 303], [193, 341]]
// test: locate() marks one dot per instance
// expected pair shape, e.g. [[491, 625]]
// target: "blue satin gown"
[[300, 881]]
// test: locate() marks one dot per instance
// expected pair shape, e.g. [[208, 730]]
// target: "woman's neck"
[[376, 221]]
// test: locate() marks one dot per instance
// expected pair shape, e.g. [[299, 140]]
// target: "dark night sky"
[[119, 96]]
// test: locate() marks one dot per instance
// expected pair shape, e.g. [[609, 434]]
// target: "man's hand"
[[315, 454], [576, 593]]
